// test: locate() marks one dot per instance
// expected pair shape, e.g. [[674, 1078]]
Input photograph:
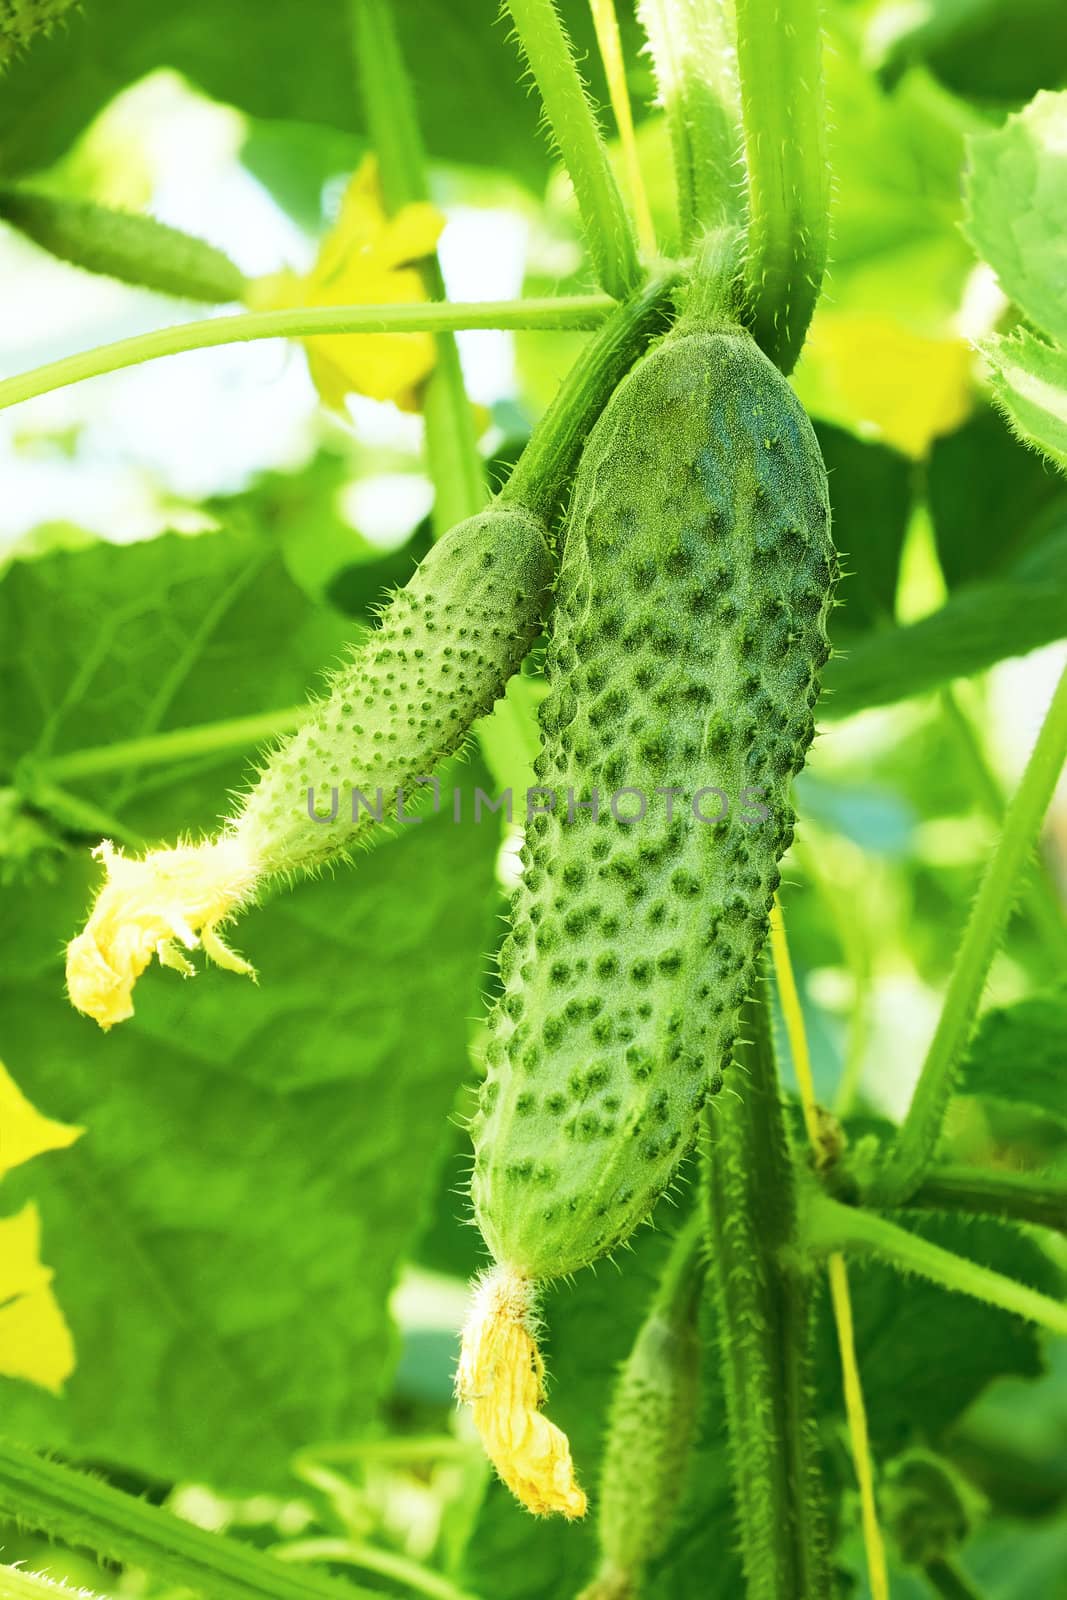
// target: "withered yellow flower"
[[367, 258], [161, 905], [501, 1377]]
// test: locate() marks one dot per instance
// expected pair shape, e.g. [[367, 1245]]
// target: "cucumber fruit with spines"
[[689, 632]]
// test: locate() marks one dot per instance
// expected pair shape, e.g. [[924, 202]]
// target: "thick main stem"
[[89, 1514], [764, 1319], [917, 1140], [779, 55], [608, 233]]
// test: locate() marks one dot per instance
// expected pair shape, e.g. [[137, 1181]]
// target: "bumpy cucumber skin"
[[653, 1423], [689, 632], [444, 649], [125, 245], [22, 20]]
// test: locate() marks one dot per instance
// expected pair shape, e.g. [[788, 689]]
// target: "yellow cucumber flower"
[[35, 1342], [157, 905], [367, 258], [501, 1377]]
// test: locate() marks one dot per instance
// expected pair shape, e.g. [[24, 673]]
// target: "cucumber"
[[654, 1413], [689, 632], [123, 244], [443, 652]]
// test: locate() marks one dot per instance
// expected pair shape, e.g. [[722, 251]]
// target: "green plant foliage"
[[988, 497], [228, 1241], [1030, 382], [1018, 1054], [1017, 205], [981, 623], [248, 1259], [926, 1354]]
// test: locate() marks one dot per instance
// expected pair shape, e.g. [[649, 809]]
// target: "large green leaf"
[[1016, 191], [288, 62], [257, 1157], [924, 1353]]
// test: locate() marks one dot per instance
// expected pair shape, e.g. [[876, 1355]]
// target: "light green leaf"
[[257, 1157], [1030, 382], [1016, 211]]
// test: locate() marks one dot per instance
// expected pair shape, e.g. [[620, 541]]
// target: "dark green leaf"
[[985, 490], [1019, 1054], [870, 503], [925, 1353]]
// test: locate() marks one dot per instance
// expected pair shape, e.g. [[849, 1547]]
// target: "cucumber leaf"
[[1016, 208]]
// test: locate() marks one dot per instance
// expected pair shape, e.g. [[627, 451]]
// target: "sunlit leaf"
[[1030, 382], [1016, 219]]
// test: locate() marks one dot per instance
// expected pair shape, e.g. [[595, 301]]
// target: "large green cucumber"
[[689, 631]]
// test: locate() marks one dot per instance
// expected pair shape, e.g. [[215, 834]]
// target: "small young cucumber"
[[654, 1415], [689, 631], [123, 244], [443, 652]]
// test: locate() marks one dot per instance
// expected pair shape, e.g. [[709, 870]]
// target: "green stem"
[[1040, 894], [1037, 1197], [947, 1579], [608, 232], [298, 322], [454, 460], [541, 477], [779, 55], [160, 749], [826, 1225], [357, 1553], [695, 67], [764, 1319], [89, 1514], [917, 1140], [19, 1583]]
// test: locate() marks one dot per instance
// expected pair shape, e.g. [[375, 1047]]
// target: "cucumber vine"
[[667, 523]]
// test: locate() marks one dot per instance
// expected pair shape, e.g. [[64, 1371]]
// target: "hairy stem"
[[779, 54], [765, 1325], [948, 1579], [826, 1226], [456, 467], [298, 322], [1037, 1197], [609, 44], [917, 1140], [1039, 893], [538, 481], [695, 63], [88, 1514], [608, 233]]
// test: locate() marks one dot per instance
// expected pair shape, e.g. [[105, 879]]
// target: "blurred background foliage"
[[260, 1244]]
